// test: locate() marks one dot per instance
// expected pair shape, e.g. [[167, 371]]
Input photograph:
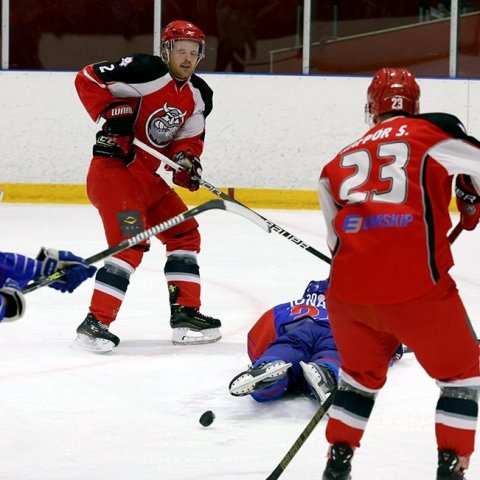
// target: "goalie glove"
[[77, 269], [467, 202], [116, 137], [191, 172], [12, 302]]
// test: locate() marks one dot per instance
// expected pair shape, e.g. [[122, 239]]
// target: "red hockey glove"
[[467, 202], [191, 172], [115, 138]]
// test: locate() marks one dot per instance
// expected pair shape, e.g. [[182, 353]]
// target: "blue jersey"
[[295, 332], [284, 317]]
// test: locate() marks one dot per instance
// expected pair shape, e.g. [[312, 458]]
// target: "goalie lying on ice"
[[292, 348]]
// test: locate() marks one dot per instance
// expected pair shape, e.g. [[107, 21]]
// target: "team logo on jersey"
[[130, 222], [355, 223], [163, 124], [125, 61]]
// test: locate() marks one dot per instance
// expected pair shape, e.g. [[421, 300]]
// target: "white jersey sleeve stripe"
[[329, 210], [458, 156]]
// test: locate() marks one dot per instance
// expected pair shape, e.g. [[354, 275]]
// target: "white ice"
[[133, 414]]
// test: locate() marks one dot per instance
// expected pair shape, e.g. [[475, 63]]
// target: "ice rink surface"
[[133, 414]]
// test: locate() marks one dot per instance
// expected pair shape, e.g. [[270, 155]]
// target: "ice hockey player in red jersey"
[[160, 101], [16, 271], [385, 200]]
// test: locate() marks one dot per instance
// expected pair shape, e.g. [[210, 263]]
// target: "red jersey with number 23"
[[385, 199]]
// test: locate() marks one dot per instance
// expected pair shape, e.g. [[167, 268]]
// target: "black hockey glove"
[[116, 137], [191, 172], [467, 202]]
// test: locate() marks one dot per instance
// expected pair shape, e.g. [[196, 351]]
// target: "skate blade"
[[245, 382], [313, 378], [96, 345], [186, 336]]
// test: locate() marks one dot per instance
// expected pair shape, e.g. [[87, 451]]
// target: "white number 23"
[[394, 172]]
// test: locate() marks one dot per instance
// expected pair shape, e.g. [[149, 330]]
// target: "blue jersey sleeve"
[[19, 268]]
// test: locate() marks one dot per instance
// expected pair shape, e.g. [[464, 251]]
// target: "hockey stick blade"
[[136, 239], [272, 227], [320, 413]]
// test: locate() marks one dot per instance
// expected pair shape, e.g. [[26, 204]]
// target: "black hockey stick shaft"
[[140, 237], [272, 227], [319, 414]]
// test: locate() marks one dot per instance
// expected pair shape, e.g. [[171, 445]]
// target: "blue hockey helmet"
[[317, 286]]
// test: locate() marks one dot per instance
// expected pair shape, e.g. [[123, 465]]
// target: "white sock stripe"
[[347, 418], [464, 382], [182, 277], [182, 253], [109, 290], [354, 383], [455, 421], [120, 264]]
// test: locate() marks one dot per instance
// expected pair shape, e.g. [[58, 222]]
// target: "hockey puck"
[[207, 418]]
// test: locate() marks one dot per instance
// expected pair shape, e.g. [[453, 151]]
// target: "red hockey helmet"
[[392, 90], [182, 30]]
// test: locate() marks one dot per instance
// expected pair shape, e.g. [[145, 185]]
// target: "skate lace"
[[202, 316]]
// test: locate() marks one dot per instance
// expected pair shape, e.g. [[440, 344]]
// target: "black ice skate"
[[190, 327], [320, 379], [93, 335], [450, 466], [338, 464], [263, 376]]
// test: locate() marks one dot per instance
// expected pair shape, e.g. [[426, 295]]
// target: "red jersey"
[[385, 199], [170, 115]]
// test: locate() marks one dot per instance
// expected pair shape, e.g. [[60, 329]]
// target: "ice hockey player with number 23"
[[160, 101], [385, 199]]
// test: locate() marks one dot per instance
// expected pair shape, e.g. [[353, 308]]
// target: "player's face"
[[183, 59]]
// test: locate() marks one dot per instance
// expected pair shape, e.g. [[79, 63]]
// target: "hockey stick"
[[150, 232], [272, 227], [452, 236], [319, 414]]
